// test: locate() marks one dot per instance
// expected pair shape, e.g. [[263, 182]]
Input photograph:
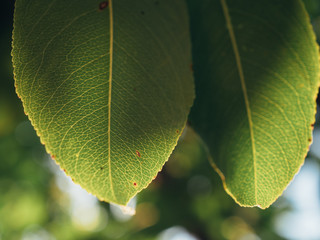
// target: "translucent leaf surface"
[[257, 76], [107, 86]]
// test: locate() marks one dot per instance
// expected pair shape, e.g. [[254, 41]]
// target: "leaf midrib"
[[243, 86], [109, 95]]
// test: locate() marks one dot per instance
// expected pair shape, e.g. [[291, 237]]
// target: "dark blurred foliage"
[[186, 193]]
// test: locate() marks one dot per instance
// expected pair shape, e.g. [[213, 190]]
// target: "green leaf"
[[107, 86], [257, 75]]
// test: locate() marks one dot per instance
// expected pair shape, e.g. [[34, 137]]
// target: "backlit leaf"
[[257, 76], [107, 86]]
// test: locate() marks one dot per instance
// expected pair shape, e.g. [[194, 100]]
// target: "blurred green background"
[[185, 202]]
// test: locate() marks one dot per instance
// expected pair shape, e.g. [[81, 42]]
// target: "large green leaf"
[[107, 86], [257, 74]]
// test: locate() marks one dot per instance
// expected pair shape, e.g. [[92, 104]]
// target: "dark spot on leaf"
[[312, 125], [53, 157], [103, 5], [64, 170], [309, 139], [101, 168], [177, 131], [138, 153], [134, 184], [142, 12]]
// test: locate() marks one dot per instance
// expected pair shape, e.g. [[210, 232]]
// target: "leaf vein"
[[243, 86]]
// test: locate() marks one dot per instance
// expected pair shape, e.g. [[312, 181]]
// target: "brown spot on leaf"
[[53, 157], [177, 131], [138, 153], [312, 124], [103, 5], [135, 184], [101, 168], [309, 139]]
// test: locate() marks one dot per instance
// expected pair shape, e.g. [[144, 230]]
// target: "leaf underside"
[[257, 76], [107, 86]]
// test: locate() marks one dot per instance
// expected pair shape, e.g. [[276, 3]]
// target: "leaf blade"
[[106, 101], [265, 71]]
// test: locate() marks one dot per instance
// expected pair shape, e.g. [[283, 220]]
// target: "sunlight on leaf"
[[107, 86], [257, 76]]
